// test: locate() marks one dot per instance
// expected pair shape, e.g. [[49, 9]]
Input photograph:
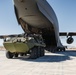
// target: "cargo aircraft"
[[41, 30]]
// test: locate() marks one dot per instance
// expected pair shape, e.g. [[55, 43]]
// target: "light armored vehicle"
[[23, 45]]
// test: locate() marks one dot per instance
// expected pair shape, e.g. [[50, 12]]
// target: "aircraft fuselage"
[[37, 16]]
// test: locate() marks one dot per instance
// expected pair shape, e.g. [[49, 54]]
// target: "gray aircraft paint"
[[38, 14]]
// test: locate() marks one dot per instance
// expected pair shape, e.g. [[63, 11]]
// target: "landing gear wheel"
[[63, 49], [54, 50], [59, 49], [9, 55]]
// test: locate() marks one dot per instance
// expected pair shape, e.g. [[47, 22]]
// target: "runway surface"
[[61, 63]]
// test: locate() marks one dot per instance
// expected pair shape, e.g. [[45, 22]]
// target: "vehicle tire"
[[42, 52], [16, 55], [39, 52], [21, 54], [9, 55], [34, 53], [25, 54]]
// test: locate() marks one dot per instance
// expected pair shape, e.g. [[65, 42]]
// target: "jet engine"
[[70, 40]]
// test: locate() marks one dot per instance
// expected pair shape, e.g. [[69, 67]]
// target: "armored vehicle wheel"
[[21, 54], [9, 55], [25, 54], [42, 52], [39, 52], [34, 53], [16, 55]]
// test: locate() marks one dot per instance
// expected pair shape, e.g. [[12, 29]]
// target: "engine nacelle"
[[70, 40]]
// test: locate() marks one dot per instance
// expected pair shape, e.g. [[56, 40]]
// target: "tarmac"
[[60, 63]]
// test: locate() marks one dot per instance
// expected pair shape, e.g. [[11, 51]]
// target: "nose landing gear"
[[58, 49]]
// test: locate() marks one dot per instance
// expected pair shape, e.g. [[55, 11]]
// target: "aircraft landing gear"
[[59, 49]]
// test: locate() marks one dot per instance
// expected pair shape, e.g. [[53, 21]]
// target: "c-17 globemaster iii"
[[41, 31]]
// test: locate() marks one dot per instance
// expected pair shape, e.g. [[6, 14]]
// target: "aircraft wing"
[[67, 33], [19, 35], [63, 34], [14, 35]]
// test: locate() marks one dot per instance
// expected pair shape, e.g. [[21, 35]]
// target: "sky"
[[64, 9]]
